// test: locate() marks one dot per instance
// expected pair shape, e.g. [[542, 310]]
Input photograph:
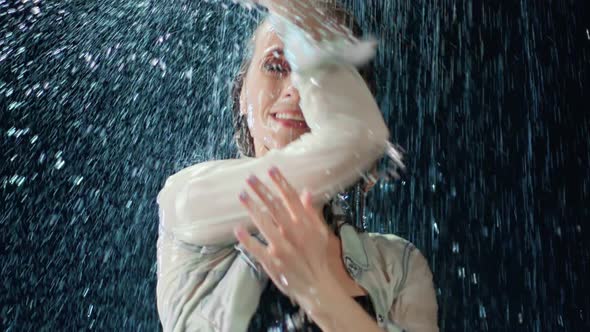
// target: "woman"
[[310, 126]]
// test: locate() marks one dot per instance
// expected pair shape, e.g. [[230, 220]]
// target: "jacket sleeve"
[[187, 275], [416, 309], [200, 204]]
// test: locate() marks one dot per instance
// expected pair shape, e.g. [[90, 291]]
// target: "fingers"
[[277, 208], [315, 220], [290, 224], [262, 219], [269, 263], [306, 200], [251, 244], [288, 220], [288, 194], [270, 256]]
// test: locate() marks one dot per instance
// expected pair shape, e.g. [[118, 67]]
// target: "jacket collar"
[[354, 251]]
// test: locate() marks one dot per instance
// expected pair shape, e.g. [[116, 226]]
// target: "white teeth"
[[289, 116]]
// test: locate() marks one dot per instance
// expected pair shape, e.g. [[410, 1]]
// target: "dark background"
[[102, 100]]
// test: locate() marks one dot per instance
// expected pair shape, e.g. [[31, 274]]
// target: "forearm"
[[338, 312], [302, 14], [347, 135]]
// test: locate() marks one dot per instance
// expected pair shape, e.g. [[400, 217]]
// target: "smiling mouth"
[[290, 119]]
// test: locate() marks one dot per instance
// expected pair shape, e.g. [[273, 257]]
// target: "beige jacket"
[[206, 283]]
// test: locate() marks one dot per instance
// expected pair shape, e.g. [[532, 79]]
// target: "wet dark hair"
[[354, 195]]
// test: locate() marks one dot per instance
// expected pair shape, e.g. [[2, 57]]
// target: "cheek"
[[261, 97], [263, 129], [250, 116], [260, 102]]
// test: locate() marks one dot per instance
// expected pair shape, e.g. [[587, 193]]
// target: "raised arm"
[[199, 205]]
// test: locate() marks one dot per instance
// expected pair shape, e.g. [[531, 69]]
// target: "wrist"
[[308, 44], [324, 305]]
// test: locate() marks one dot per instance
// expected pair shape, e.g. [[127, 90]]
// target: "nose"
[[290, 92]]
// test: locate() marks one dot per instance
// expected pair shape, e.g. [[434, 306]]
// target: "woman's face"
[[268, 98]]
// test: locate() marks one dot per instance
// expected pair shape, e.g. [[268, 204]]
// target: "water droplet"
[[90, 308], [482, 311], [59, 164], [78, 180], [455, 247], [461, 272], [283, 280]]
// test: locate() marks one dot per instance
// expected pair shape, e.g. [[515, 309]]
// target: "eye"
[[276, 67]]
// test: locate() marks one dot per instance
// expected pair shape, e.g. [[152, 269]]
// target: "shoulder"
[[400, 257], [392, 246], [414, 306]]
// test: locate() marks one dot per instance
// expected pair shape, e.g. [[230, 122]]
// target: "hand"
[[296, 258], [302, 13]]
